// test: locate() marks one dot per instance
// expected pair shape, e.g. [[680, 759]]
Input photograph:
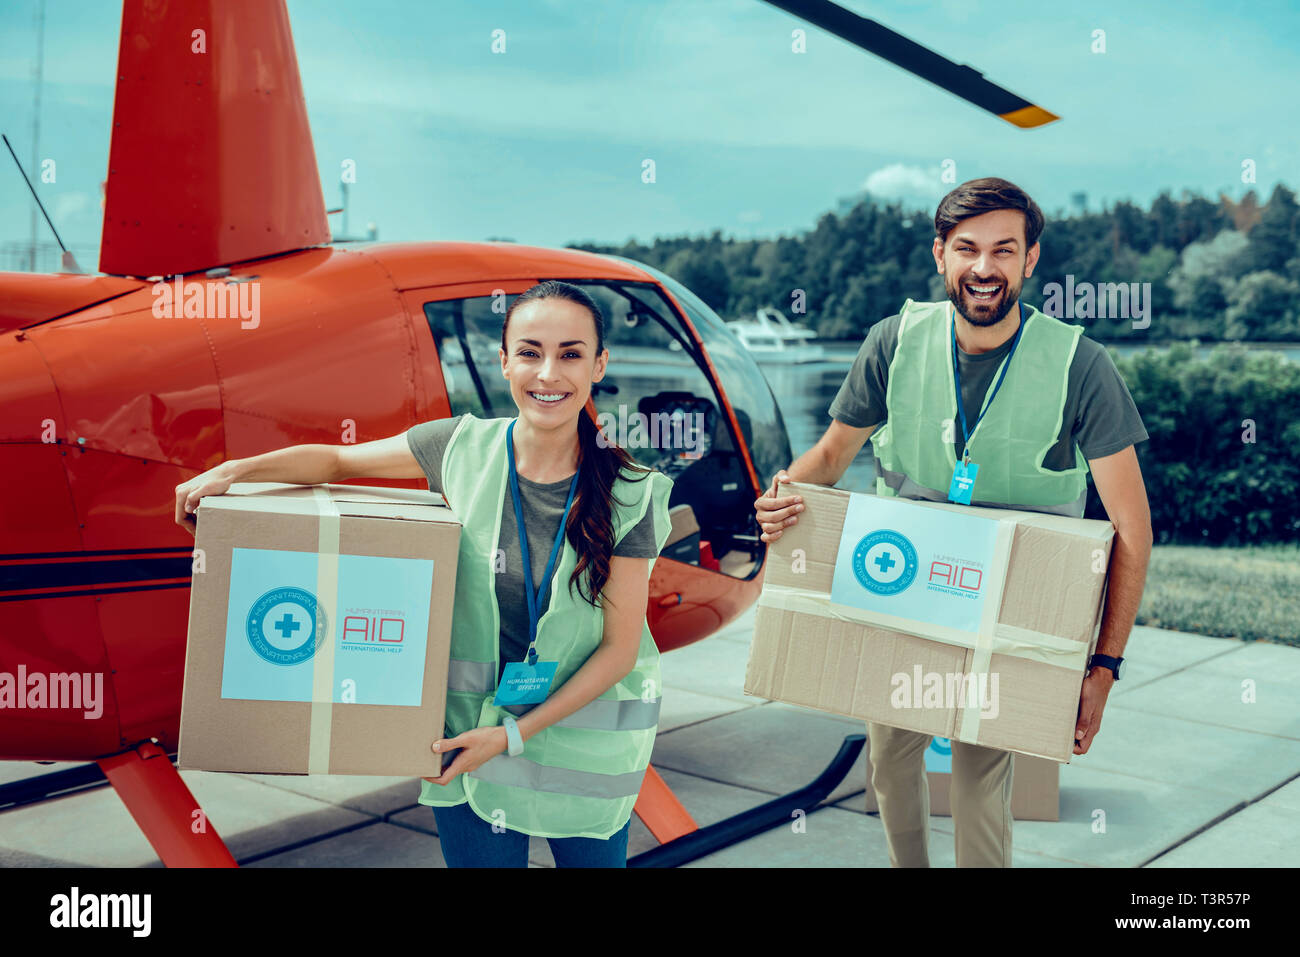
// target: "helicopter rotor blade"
[[958, 79]]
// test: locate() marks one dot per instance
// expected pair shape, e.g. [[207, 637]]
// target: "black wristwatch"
[[1106, 661]]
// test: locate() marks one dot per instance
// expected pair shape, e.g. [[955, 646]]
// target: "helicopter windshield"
[[748, 390]]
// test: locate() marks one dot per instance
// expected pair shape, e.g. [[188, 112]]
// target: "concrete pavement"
[[1197, 765]]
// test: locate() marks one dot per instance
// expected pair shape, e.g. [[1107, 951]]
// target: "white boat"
[[771, 337]]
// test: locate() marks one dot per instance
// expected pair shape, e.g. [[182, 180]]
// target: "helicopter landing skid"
[[164, 809], [682, 841]]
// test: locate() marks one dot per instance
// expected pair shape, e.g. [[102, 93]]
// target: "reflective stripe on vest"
[[521, 773], [913, 449], [477, 676]]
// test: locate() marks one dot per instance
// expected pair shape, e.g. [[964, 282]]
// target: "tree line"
[[1216, 270]]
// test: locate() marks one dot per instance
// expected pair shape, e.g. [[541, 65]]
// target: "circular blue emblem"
[[945, 748], [285, 626], [884, 562]]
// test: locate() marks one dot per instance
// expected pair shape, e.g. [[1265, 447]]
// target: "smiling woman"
[[583, 676], [552, 353]]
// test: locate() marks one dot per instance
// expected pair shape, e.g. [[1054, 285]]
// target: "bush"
[[1222, 465], [1262, 305]]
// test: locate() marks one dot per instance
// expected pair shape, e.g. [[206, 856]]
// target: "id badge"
[[963, 482], [522, 683]]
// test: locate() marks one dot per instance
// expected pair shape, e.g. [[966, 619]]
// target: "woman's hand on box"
[[774, 512], [215, 481], [478, 746]]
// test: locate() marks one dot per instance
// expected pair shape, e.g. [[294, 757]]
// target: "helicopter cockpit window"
[[750, 395], [468, 336]]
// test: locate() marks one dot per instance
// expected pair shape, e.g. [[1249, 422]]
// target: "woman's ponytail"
[[591, 526]]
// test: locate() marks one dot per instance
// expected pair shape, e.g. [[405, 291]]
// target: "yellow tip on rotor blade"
[[1029, 116]]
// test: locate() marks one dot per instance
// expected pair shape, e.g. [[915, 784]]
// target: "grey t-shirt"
[[1100, 415], [543, 507]]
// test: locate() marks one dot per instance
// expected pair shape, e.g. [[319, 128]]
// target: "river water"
[[804, 393]]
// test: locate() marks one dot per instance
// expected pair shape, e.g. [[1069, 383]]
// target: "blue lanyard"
[[534, 597], [956, 375]]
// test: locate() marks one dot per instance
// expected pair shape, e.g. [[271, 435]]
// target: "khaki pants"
[[980, 797]]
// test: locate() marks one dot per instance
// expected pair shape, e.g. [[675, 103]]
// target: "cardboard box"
[[961, 622], [1035, 784], [320, 630]]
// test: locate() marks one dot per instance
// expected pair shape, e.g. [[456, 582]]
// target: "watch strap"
[[514, 740], [1106, 661]]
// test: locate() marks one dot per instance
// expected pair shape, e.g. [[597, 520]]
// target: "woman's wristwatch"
[[514, 740]]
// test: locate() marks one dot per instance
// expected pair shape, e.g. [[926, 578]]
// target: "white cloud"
[[907, 183]]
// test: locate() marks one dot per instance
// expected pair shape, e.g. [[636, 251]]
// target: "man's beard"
[[978, 313]]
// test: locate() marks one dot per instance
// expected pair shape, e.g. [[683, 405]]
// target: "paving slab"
[[943, 848], [706, 801], [418, 818], [1278, 662], [828, 837], [1260, 835], [834, 837], [1211, 692], [1286, 796], [253, 818], [370, 794], [943, 851], [1182, 752], [1153, 653], [94, 828], [88, 829], [1141, 817], [376, 845], [681, 707], [774, 748], [715, 668], [741, 630]]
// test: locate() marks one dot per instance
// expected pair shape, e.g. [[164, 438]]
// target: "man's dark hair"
[[978, 196]]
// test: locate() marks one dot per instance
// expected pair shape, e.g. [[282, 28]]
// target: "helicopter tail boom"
[[211, 160]]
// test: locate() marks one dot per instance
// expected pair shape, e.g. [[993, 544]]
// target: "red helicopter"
[[113, 392]]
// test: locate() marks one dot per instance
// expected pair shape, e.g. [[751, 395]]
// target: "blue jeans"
[[469, 841]]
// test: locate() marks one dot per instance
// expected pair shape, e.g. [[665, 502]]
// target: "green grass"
[[1252, 592]]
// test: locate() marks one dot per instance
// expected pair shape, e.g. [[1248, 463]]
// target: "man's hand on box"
[[478, 745], [776, 513], [215, 481], [1092, 701]]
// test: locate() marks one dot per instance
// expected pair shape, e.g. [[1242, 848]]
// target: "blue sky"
[[544, 144]]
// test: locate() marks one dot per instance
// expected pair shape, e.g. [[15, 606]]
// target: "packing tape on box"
[[1007, 639], [993, 637], [322, 669], [969, 725]]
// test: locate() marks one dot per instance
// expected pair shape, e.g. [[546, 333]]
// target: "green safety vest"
[[914, 447], [579, 777]]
